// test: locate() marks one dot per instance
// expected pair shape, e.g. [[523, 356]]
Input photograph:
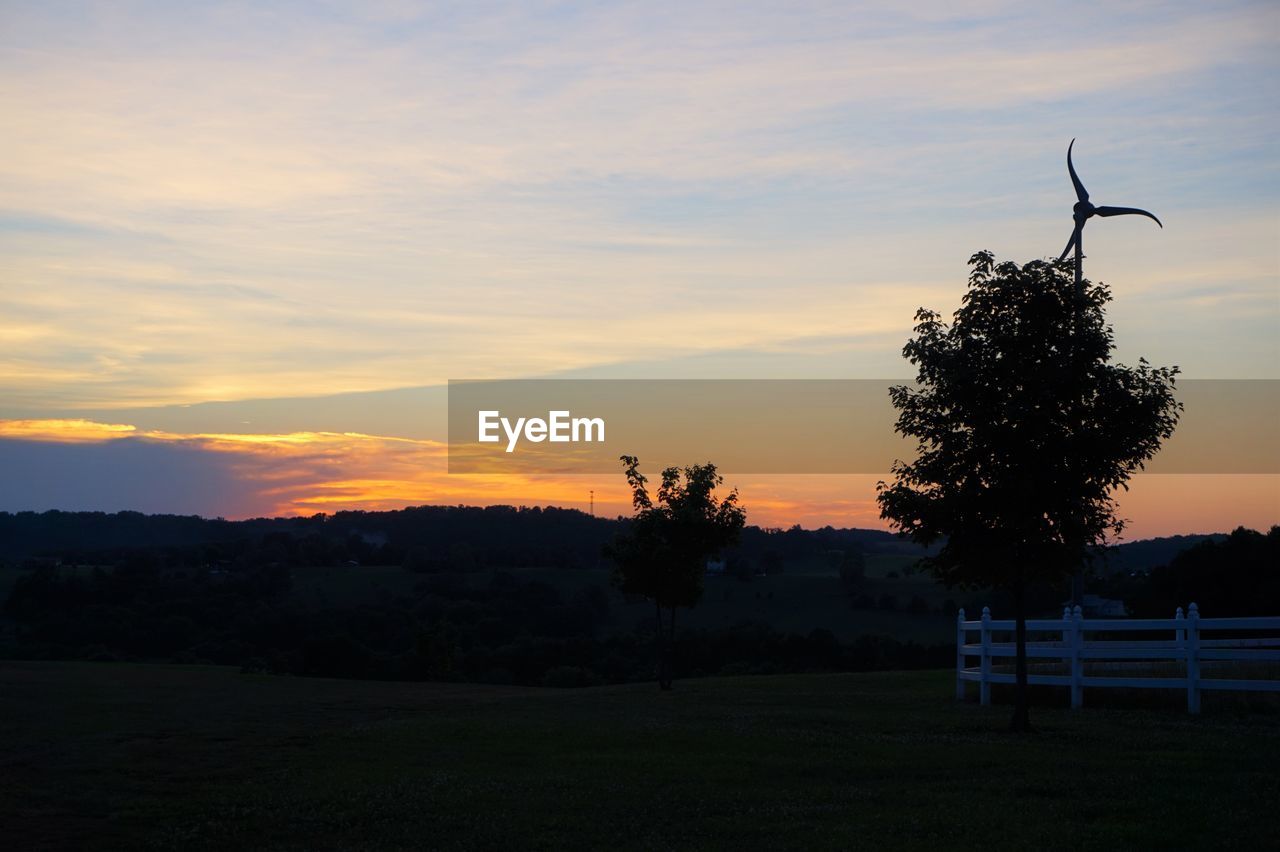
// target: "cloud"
[[65, 431], [82, 464], [235, 202], [116, 475]]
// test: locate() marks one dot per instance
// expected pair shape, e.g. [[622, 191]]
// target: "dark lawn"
[[116, 755]]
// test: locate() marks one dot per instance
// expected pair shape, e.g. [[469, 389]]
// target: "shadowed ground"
[[115, 755]]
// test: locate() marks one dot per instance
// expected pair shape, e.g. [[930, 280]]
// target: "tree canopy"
[[1024, 427]]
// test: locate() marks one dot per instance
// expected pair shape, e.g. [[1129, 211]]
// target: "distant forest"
[[481, 594], [440, 538]]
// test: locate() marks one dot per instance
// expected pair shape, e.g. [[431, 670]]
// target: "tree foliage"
[[663, 555]]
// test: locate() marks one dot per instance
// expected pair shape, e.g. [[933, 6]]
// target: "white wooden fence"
[[1184, 643]]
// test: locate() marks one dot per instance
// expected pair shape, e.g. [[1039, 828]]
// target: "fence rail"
[[1185, 645]]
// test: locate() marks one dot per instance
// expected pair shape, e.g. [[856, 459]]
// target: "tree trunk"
[[671, 646], [664, 660], [659, 640], [1021, 712]]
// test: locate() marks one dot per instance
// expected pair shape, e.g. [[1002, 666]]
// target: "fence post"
[[1179, 634], [1077, 664], [1193, 659], [961, 636], [1069, 655], [984, 684]]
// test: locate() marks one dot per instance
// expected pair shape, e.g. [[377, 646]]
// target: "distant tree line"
[[229, 596], [491, 628], [423, 538], [1236, 575]]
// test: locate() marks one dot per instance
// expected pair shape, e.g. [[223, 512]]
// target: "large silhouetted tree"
[[663, 554], [1024, 430]]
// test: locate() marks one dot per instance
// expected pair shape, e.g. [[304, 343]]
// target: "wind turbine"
[[1083, 211]]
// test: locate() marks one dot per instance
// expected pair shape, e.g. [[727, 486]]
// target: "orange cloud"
[[308, 472], [64, 431]]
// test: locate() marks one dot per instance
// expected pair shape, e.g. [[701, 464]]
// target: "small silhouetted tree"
[[740, 567], [1024, 430], [852, 566], [663, 554]]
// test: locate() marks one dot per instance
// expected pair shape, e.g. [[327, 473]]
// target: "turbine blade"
[[1124, 211], [1074, 241], [1082, 194]]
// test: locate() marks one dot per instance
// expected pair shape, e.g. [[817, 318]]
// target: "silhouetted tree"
[[663, 555], [1238, 576], [739, 567], [1024, 429], [852, 566]]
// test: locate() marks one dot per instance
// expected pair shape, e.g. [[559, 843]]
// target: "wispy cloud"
[[250, 201], [238, 201], [296, 473], [65, 431]]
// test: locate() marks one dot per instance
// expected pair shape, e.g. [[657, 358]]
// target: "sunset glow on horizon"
[[301, 474]]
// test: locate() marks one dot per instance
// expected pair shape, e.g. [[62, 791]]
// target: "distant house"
[[715, 567], [1096, 606]]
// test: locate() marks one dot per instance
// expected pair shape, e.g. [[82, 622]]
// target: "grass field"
[[135, 756]]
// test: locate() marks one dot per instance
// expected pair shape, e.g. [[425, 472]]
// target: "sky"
[[243, 246]]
